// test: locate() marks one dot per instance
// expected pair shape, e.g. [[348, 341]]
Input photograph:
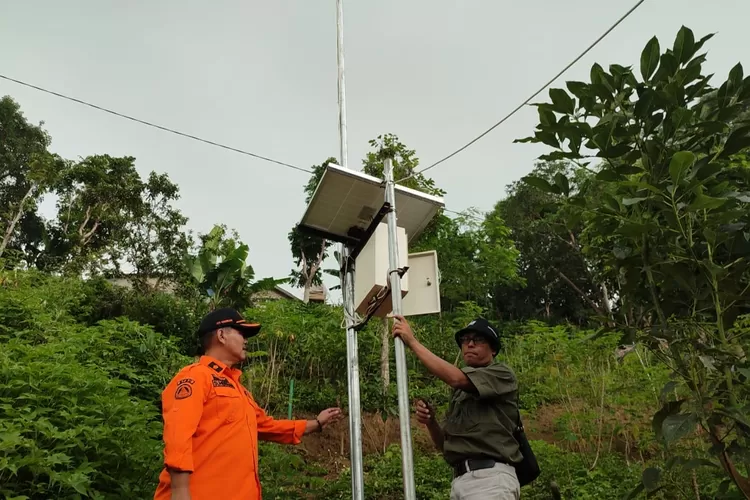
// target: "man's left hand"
[[402, 329], [329, 416]]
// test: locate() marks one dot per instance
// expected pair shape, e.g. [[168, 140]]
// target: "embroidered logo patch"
[[183, 391], [215, 367], [221, 382]]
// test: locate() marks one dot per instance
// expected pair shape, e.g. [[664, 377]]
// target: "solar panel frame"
[[347, 198]]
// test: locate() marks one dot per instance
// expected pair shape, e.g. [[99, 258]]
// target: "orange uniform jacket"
[[211, 428]]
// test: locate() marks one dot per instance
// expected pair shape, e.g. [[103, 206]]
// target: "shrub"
[[383, 478], [285, 475], [167, 314], [79, 406], [69, 429], [611, 478]]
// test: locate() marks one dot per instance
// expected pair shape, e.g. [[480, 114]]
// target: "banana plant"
[[335, 272], [221, 272]]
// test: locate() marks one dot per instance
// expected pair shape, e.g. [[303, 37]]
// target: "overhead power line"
[[524, 103], [466, 213], [154, 125]]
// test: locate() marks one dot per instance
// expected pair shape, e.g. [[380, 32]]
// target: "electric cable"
[[154, 125], [524, 103]]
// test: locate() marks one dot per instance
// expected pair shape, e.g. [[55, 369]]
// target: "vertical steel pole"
[[291, 398], [402, 381], [355, 417], [341, 81], [347, 280]]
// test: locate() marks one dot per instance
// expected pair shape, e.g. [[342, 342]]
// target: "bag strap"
[[519, 424]]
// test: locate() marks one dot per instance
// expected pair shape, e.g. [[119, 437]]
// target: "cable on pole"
[[154, 125], [524, 103]]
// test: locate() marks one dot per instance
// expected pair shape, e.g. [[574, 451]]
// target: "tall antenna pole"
[[402, 381], [341, 81], [352, 365]]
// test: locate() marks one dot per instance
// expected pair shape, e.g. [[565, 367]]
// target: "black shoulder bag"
[[527, 469]]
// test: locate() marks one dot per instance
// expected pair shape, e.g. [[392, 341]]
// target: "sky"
[[261, 76]]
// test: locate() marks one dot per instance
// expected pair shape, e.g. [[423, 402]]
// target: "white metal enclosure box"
[[371, 269], [424, 284]]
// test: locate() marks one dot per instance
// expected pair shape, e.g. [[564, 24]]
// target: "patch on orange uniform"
[[221, 382], [183, 391]]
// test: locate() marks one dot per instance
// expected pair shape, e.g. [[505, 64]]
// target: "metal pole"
[[291, 398], [347, 289], [402, 381], [341, 80], [355, 417]]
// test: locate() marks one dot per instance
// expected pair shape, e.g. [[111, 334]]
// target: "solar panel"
[[346, 201]]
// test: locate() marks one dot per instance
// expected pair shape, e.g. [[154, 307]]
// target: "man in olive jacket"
[[477, 436]]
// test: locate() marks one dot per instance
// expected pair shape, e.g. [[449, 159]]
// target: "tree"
[[309, 251], [405, 163], [476, 255], [671, 226], [154, 241], [472, 252], [27, 172], [221, 273], [559, 279], [98, 198]]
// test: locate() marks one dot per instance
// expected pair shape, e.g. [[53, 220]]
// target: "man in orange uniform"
[[212, 424]]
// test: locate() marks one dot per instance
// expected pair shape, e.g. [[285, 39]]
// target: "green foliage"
[[55, 431], [166, 315], [674, 235], [73, 397], [561, 365], [475, 257], [97, 198], [221, 273], [612, 478], [432, 477], [27, 172], [405, 163], [560, 284], [154, 242], [76, 383], [309, 251], [285, 475], [307, 343], [637, 220], [107, 216], [89, 302]]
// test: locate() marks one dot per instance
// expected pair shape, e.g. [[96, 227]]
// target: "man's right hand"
[[425, 412]]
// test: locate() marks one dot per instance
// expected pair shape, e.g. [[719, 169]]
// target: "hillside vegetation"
[[80, 387]]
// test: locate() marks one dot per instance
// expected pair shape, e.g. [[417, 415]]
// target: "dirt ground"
[[331, 448]]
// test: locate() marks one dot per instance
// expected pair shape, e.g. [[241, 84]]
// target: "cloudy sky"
[[261, 76]]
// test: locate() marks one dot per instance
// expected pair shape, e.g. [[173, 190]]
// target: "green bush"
[[34, 302], [611, 478], [33, 305], [69, 429], [167, 314], [80, 385], [100, 300], [79, 405], [384, 480], [285, 475]]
